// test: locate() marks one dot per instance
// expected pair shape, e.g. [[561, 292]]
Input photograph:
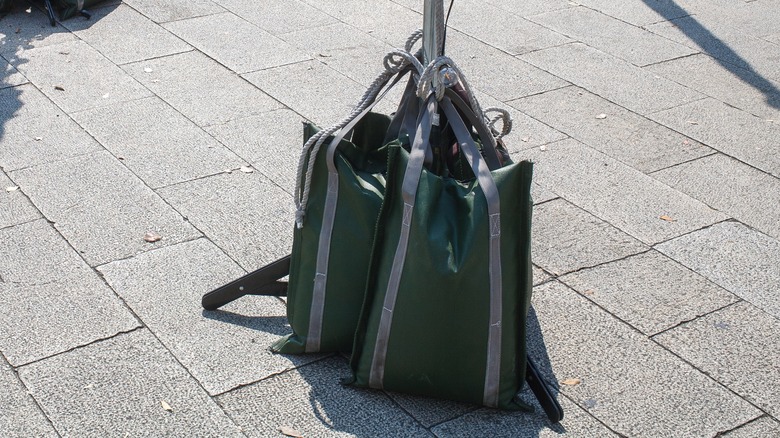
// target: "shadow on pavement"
[[715, 47]]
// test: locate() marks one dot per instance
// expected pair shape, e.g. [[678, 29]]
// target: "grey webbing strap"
[[409, 194], [488, 141], [317, 310], [488, 187]]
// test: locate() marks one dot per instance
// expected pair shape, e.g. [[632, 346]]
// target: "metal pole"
[[430, 37]]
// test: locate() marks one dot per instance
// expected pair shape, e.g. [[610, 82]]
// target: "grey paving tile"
[[735, 257], [736, 86], [52, 300], [9, 75], [62, 66], [429, 411], [774, 38], [162, 11], [527, 132], [22, 30], [539, 275], [756, 18], [508, 32], [532, 7], [540, 194], [124, 35], [271, 142], [241, 46], [101, 208], [227, 340], [488, 422], [612, 35], [312, 89], [743, 193], [724, 41], [187, 82], [621, 195], [387, 21], [245, 214], [496, 73], [639, 13], [764, 426], [349, 51], [611, 78], [729, 130], [629, 383], [279, 16], [566, 239], [35, 131], [738, 346], [311, 400], [116, 388], [649, 291], [15, 208], [19, 415], [157, 143], [623, 135]]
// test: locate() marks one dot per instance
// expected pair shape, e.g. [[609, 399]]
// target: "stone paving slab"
[[116, 388], [157, 143], [508, 32], [638, 13], [19, 415], [528, 8], [101, 208], [737, 258], [756, 18], [216, 347], [62, 65], [15, 208], [279, 16], [621, 134], [736, 86], [567, 238], [612, 35], [387, 21], [24, 31], [611, 78], [312, 89], [35, 131], [245, 214], [9, 75], [242, 47], [123, 35], [720, 39], [743, 193], [271, 142], [161, 11], [748, 344], [345, 49], [186, 81], [429, 411], [496, 73], [488, 422], [311, 401], [649, 291], [626, 198], [629, 398], [729, 130], [764, 426], [54, 304]]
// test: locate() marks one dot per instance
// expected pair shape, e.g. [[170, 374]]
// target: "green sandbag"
[[70, 8], [445, 312], [360, 164]]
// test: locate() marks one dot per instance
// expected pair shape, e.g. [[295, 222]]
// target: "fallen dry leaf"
[[601, 116], [38, 138], [166, 406], [525, 139], [12, 188], [246, 169], [152, 236], [148, 70], [589, 292], [289, 431], [18, 29], [59, 88], [543, 147], [572, 381], [667, 218], [693, 122], [686, 142]]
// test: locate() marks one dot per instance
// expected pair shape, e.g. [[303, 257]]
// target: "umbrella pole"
[[431, 34]]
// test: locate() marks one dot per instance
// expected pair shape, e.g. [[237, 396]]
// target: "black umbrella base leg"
[[264, 281]]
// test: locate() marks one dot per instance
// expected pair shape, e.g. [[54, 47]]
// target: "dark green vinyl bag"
[[449, 283], [71, 8]]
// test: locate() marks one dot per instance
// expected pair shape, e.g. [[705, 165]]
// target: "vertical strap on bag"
[[409, 194], [489, 189]]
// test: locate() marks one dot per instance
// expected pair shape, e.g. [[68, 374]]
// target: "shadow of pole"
[[716, 48]]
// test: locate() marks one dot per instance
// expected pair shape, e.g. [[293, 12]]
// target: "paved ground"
[[654, 125]]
